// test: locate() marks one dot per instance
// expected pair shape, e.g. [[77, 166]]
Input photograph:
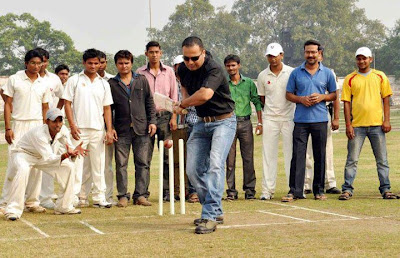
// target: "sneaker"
[[112, 201], [102, 204], [333, 190], [48, 205], [141, 200], [122, 202], [206, 226], [82, 203], [35, 209], [220, 220], [193, 198], [71, 212], [11, 216], [265, 197]]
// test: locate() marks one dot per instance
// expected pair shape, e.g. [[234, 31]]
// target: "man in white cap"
[[277, 117], [363, 92], [47, 148]]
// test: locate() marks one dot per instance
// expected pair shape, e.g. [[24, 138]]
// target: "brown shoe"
[[35, 209], [142, 201], [320, 197], [122, 202], [193, 198]]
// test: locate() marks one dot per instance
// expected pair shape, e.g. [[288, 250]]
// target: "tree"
[[338, 24], [388, 57], [20, 33]]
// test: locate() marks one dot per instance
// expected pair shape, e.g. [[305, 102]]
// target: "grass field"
[[366, 225]]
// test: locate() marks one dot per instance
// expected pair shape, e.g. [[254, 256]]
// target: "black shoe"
[[333, 190], [307, 191], [220, 220], [249, 197], [206, 226], [166, 198], [231, 197]]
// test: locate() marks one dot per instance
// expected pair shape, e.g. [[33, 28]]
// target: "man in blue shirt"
[[306, 87]]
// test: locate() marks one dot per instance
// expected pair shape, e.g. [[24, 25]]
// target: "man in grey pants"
[[134, 123]]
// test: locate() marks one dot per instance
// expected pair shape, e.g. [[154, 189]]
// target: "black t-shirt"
[[209, 75]]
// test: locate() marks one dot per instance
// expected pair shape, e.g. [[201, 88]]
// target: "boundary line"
[[91, 227], [35, 228]]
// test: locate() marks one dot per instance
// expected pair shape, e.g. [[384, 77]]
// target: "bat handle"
[[184, 111]]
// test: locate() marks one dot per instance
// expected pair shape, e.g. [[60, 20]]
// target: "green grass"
[[139, 231]]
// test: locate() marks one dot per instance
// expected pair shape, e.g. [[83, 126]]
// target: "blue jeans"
[[378, 143], [207, 149]]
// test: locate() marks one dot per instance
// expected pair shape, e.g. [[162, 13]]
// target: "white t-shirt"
[[107, 76], [28, 96], [56, 88], [88, 99], [277, 107]]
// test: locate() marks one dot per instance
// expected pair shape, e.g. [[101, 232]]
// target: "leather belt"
[[162, 113], [242, 118], [209, 119]]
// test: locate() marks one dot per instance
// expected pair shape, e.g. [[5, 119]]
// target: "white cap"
[[53, 113], [178, 60], [274, 49], [364, 51]]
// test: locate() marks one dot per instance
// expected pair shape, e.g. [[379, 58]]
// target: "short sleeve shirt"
[[55, 86], [365, 94], [273, 87], [88, 100], [209, 75], [302, 83], [28, 96]]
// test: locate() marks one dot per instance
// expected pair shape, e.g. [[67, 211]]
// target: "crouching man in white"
[[41, 148]]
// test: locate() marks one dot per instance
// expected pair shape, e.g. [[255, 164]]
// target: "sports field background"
[[366, 225]]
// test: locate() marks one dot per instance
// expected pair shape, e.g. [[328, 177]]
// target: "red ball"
[[168, 144]]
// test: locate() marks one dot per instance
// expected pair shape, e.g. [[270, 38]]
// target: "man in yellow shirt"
[[363, 93]]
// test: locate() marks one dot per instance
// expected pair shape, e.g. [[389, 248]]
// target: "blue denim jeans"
[[207, 149], [378, 143]]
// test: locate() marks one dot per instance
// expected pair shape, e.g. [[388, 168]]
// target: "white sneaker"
[[48, 205], [82, 203], [11, 216], [71, 212], [112, 201], [264, 197], [101, 204], [35, 209]]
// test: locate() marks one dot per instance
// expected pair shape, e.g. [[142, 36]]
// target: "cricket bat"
[[166, 103]]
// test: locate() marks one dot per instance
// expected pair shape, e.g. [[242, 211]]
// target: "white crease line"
[[285, 216], [35, 228], [184, 229], [308, 209], [91, 227]]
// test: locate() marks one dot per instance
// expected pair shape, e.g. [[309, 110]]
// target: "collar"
[[82, 73], [118, 77], [303, 66], [23, 76], [242, 79], [147, 67]]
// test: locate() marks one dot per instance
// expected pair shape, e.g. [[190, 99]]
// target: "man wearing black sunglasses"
[[205, 87]]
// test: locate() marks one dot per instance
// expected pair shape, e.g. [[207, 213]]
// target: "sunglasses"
[[193, 58]]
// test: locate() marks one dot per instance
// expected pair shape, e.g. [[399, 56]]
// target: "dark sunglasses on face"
[[193, 58]]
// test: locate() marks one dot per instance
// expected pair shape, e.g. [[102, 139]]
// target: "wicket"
[[171, 178]]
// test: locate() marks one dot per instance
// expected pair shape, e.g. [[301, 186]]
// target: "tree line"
[[246, 30]]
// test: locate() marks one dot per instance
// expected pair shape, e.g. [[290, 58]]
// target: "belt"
[[208, 119], [242, 118], [162, 113]]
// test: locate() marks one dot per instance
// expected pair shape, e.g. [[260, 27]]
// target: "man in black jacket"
[[134, 123]]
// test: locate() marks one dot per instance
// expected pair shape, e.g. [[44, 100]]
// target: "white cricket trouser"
[[47, 191], [93, 140], [22, 165], [330, 180], [271, 132], [87, 181], [20, 128]]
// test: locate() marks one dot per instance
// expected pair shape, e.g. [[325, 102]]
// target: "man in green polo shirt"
[[243, 91]]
